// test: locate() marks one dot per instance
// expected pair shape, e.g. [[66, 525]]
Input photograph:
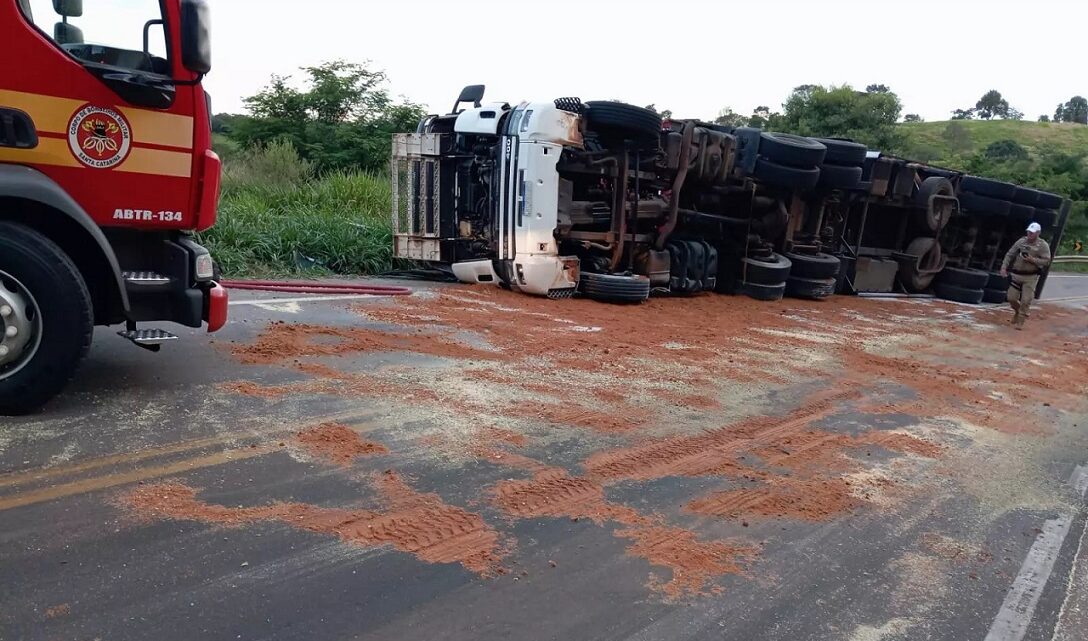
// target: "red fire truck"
[[106, 169]]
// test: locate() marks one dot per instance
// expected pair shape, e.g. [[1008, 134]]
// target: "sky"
[[692, 57]]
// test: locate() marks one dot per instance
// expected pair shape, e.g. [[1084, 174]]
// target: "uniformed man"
[[1025, 261]]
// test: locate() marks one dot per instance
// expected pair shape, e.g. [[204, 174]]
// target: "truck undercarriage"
[[608, 200]]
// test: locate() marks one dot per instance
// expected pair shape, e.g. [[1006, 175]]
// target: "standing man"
[[1025, 261]]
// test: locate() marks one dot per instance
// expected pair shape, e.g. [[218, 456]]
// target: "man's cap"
[[1035, 228]]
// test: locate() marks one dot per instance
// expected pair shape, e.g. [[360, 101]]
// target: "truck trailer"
[[106, 170], [610, 201]]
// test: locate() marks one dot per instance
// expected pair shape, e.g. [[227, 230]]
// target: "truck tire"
[[843, 152], [762, 292], [819, 265], [49, 307], [995, 295], [965, 278], [778, 175], [1048, 200], [984, 205], [1023, 213], [791, 150], [839, 177], [988, 187], [997, 281], [1026, 196], [1046, 217], [811, 288], [931, 254], [615, 288], [618, 121], [958, 294], [765, 271], [933, 186]]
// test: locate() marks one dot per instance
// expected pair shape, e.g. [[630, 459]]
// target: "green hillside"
[[932, 141]]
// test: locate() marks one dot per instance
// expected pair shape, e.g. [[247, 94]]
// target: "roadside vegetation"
[[306, 187]]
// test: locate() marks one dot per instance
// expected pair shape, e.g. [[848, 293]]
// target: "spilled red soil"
[[56, 611], [807, 500], [337, 443], [419, 524]]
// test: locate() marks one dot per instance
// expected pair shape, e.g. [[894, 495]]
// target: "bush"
[[277, 218]]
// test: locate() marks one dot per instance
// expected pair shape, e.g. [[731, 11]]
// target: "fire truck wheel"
[[791, 150], [46, 315]]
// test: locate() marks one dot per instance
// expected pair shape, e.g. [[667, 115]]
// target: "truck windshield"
[[109, 32]]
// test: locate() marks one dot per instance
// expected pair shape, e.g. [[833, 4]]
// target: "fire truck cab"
[[106, 170]]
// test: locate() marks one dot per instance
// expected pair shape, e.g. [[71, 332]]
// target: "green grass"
[[277, 219], [927, 141]]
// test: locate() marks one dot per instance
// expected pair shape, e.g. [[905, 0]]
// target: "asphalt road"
[[935, 560]]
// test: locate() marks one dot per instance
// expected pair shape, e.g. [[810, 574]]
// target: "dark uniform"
[[1024, 276]]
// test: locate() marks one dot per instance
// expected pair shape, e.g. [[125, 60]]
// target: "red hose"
[[304, 287]]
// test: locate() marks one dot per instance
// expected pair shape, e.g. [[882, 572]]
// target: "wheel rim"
[[20, 326]]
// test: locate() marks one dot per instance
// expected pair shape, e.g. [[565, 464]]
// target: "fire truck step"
[[147, 337], [145, 278]]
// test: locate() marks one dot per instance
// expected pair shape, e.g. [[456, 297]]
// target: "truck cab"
[[106, 171]]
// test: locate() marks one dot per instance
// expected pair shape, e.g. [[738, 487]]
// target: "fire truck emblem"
[[99, 137]]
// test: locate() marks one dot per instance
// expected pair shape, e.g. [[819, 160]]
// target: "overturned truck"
[[609, 201]]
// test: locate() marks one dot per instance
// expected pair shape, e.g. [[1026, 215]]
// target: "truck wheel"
[[995, 295], [1024, 213], [997, 281], [988, 187], [811, 288], [1046, 217], [618, 121], [844, 152], [46, 315], [818, 265], [765, 271], [762, 292], [839, 177], [958, 294], [1026, 196], [984, 205], [930, 252], [933, 219], [963, 277], [791, 150], [779, 175], [615, 288], [1049, 201]]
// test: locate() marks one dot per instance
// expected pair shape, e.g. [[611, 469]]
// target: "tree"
[[957, 137], [912, 118], [1076, 110], [991, 105], [761, 117], [1014, 114], [1059, 113], [868, 117], [1044, 118], [963, 114], [729, 118], [877, 89], [664, 113], [1006, 150], [342, 116]]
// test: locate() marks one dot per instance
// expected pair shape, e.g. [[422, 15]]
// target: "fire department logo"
[[99, 137]]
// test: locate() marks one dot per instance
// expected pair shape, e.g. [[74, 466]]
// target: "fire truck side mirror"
[[68, 8], [67, 34], [196, 42]]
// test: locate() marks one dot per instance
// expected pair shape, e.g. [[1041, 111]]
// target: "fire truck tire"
[[839, 177], [791, 150], [844, 152], [1049, 201], [963, 277], [958, 294], [618, 120], [811, 288], [762, 292], [818, 265], [46, 296], [984, 205], [779, 175], [765, 271], [988, 187], [615, 288], [1046, 217], [995, 295]]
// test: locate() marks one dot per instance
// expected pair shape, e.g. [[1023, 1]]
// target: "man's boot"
[[1018, 322]]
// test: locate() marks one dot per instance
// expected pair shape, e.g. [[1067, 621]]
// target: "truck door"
[[105, 90]]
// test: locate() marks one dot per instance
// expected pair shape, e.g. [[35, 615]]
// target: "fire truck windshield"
[[128, 34]]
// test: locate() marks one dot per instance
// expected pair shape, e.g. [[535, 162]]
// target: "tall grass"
[[276, 217]]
